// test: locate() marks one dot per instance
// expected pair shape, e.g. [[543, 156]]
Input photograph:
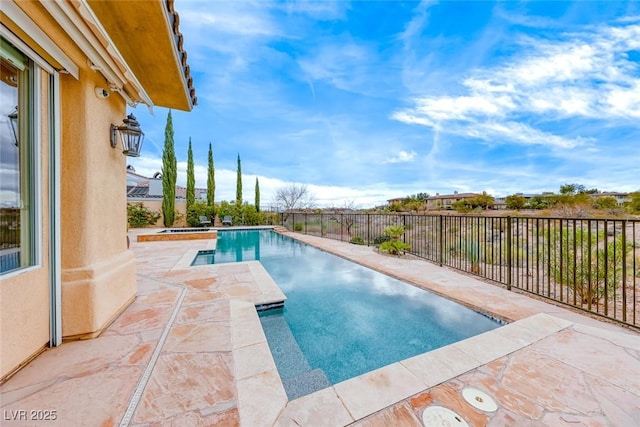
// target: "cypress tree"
[[169, 175], [257, 195], [211, 180], [239, 184], [191, 179]]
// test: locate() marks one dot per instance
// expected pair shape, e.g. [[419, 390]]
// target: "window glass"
[[16, 160]]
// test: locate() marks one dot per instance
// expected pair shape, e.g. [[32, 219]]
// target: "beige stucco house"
[[69, 71], [446, 201]]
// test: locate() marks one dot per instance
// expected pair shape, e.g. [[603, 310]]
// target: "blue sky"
[[365, 101]]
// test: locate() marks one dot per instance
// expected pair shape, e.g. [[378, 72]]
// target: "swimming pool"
[[341, 319]]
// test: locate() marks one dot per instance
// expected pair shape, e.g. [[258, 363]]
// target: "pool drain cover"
[[438, 416], [479, 399]]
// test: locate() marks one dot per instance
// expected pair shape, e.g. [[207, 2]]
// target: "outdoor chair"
[[204, 220], [227, 220]]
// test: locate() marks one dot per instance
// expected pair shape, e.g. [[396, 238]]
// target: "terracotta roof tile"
[[175, 19]]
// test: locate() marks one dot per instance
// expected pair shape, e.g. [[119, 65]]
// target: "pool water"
[[341, 319]]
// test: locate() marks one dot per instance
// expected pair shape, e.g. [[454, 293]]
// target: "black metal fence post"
[[509, 249], [404, 225], [624, 270], [440, 240]]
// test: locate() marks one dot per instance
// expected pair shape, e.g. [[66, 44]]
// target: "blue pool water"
[[341, 319]]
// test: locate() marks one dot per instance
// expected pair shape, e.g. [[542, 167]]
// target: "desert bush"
[[395, 247], [586, 266], [199, 208], [357, 240], [138, 215], [381, 239]]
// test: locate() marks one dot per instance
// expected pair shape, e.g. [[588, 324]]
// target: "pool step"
[[269, 306], [298, 378], [287, 354], [280, 229], [305, 383]]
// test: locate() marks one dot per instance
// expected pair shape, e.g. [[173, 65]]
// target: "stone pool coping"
[[262, 399], [163, 235], [188, 257]]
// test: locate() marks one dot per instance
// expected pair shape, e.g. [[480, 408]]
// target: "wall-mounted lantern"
[[130, 134]]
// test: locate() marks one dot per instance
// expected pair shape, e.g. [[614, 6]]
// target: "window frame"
[[30, 140]]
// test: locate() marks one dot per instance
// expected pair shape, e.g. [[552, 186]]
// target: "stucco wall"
[[24, 294], [98, 271]]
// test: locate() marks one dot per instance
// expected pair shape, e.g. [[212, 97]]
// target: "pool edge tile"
[[375, 390], [488, 346], [261, 394], [323, 405], [440, 365], [261, 399], [533, 328], [252, 360], [186, 260]]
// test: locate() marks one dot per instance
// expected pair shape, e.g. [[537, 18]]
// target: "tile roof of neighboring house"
[[453, 196], [397, 199], [141, 188], [137, 191]]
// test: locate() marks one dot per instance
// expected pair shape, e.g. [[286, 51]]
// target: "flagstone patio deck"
[[190, 351]]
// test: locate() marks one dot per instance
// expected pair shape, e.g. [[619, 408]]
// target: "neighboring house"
[[621, 198], [148, 191], [139, 186], [70, 68], [398, 200], [500, 203], [446, 201]]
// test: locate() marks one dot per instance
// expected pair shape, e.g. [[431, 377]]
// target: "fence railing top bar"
[[471, 215]]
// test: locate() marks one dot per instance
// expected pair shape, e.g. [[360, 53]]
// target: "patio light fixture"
[[130, 134]]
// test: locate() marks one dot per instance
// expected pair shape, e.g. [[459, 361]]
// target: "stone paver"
[[190, 351]]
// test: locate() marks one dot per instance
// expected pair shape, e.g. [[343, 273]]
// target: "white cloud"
[[324, 195], [320, 10], [418, 22], [582, 75], [347, 65], [241, 19], [402, 157]]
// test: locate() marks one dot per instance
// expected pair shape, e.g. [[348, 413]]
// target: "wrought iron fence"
[[590, 264], [9, 239]]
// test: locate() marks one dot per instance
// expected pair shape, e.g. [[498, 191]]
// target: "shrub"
[[381, 239], [587, 267], [268, 218], [138, 215], [357, 240], [199, 208], [395, 231], [298, 227], [395, 247], [246, 214]]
